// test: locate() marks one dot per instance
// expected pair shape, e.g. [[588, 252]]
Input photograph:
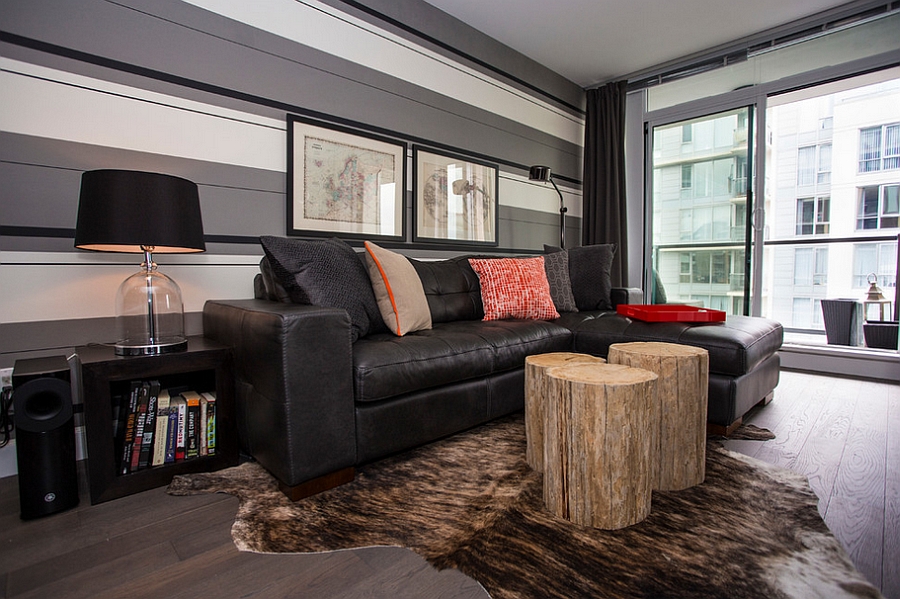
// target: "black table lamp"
[[142, 213], [542, 173]]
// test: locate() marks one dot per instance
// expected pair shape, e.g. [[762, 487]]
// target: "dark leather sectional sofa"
[[312, 404]]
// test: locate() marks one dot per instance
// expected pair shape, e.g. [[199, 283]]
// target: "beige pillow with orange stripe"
[[398, 290]]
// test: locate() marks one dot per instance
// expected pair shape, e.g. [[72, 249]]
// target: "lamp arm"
[[562, 215]]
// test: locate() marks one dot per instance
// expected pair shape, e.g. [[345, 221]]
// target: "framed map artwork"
[[456, 199], [344, 183]]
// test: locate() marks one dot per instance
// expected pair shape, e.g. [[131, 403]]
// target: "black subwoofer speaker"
[[45, 436]]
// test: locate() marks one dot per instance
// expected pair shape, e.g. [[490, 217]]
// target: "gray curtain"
[[603, 216]]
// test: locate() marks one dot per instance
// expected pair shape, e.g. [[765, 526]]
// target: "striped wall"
[[201, 89]]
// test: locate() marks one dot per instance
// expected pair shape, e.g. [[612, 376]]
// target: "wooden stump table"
[[682, 391], [535, 392], [596, 447]]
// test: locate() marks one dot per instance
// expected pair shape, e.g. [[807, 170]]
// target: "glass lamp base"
[[165, 346]]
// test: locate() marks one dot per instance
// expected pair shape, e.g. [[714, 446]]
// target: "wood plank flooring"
[[843, 434]]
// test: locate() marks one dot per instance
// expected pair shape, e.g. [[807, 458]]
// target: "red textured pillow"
[[514, 288]]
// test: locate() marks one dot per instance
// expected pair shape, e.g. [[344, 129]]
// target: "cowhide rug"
[[471, 502]]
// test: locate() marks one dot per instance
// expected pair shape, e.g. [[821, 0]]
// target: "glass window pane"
[[824, 174], [865, 261], [686, 176], [892, 146], [890, 203], [869, 149], [806, 161], [867, 215], [803, 266], [821, 274]]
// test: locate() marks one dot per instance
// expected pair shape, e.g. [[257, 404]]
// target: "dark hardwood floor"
[[843, 434]]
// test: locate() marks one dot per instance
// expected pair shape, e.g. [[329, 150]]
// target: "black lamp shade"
[[539, 173], [121, 211]]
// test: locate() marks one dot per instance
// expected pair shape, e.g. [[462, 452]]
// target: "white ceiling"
[[593, 41]]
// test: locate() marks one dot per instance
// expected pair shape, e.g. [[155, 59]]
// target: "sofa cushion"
[[386, 366], [556, 265], [589, 268], [325, 273], [514, 288], [451, 288], [735, 346], [398, 291]]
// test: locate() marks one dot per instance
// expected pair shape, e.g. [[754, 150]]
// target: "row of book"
[[155, 426]]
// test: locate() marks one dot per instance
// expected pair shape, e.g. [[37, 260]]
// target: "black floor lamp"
[[542, 173]]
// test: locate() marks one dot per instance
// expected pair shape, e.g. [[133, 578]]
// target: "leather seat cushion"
[[735, 346], [387, 366]]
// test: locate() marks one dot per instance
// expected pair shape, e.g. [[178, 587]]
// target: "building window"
[[823, 174], [879, 148], [811, 266], [813, 216], [687, 176], [879, 207], [687, 133], [806, 166], [685, 272], [801, 313], [878, 258]]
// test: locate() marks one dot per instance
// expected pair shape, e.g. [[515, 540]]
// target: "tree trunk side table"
[[682, 390], [596, 446], [535, 392]]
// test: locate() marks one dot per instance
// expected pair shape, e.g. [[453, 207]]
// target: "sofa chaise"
[[323, 388]]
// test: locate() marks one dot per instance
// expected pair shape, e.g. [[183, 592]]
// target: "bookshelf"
[[204, 367]]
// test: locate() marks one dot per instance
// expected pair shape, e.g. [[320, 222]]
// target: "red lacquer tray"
[[670, 313]]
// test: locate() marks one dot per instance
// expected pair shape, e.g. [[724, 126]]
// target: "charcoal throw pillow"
[[556, 265], [326, 273], [589, 268], [514, 288]]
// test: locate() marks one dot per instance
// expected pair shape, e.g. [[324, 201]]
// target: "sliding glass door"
[[820, 223], [833, 204], [702, 197]]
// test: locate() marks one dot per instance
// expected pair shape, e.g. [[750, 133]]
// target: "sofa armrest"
[[626, 295], [293, 384]]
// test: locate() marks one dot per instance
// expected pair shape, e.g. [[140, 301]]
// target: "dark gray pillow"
[[326, 273], [556, 265], [589, 268]]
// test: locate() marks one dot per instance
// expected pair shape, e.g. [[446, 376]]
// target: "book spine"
[[210, 423], [162, 425], [146, 454], [202, 425], [181, 407], [171, 434], [192, 430], [143, 399], [128, 432]]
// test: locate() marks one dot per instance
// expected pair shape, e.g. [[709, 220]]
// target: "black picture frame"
[[456, 199], [344, 182]]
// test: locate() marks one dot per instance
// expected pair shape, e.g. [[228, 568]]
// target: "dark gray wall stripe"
[[286, 76], [423, 22]]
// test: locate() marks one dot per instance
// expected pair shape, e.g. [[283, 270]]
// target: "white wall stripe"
[[325, 28], [44, 102]]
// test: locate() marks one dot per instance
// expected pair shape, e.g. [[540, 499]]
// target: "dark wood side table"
[[204, 367]]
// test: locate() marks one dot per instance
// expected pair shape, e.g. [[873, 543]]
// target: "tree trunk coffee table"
[[596, 448], [536, 367], [680, 416]]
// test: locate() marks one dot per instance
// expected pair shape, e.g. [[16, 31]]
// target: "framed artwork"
[[455, 199], [344, 183]]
